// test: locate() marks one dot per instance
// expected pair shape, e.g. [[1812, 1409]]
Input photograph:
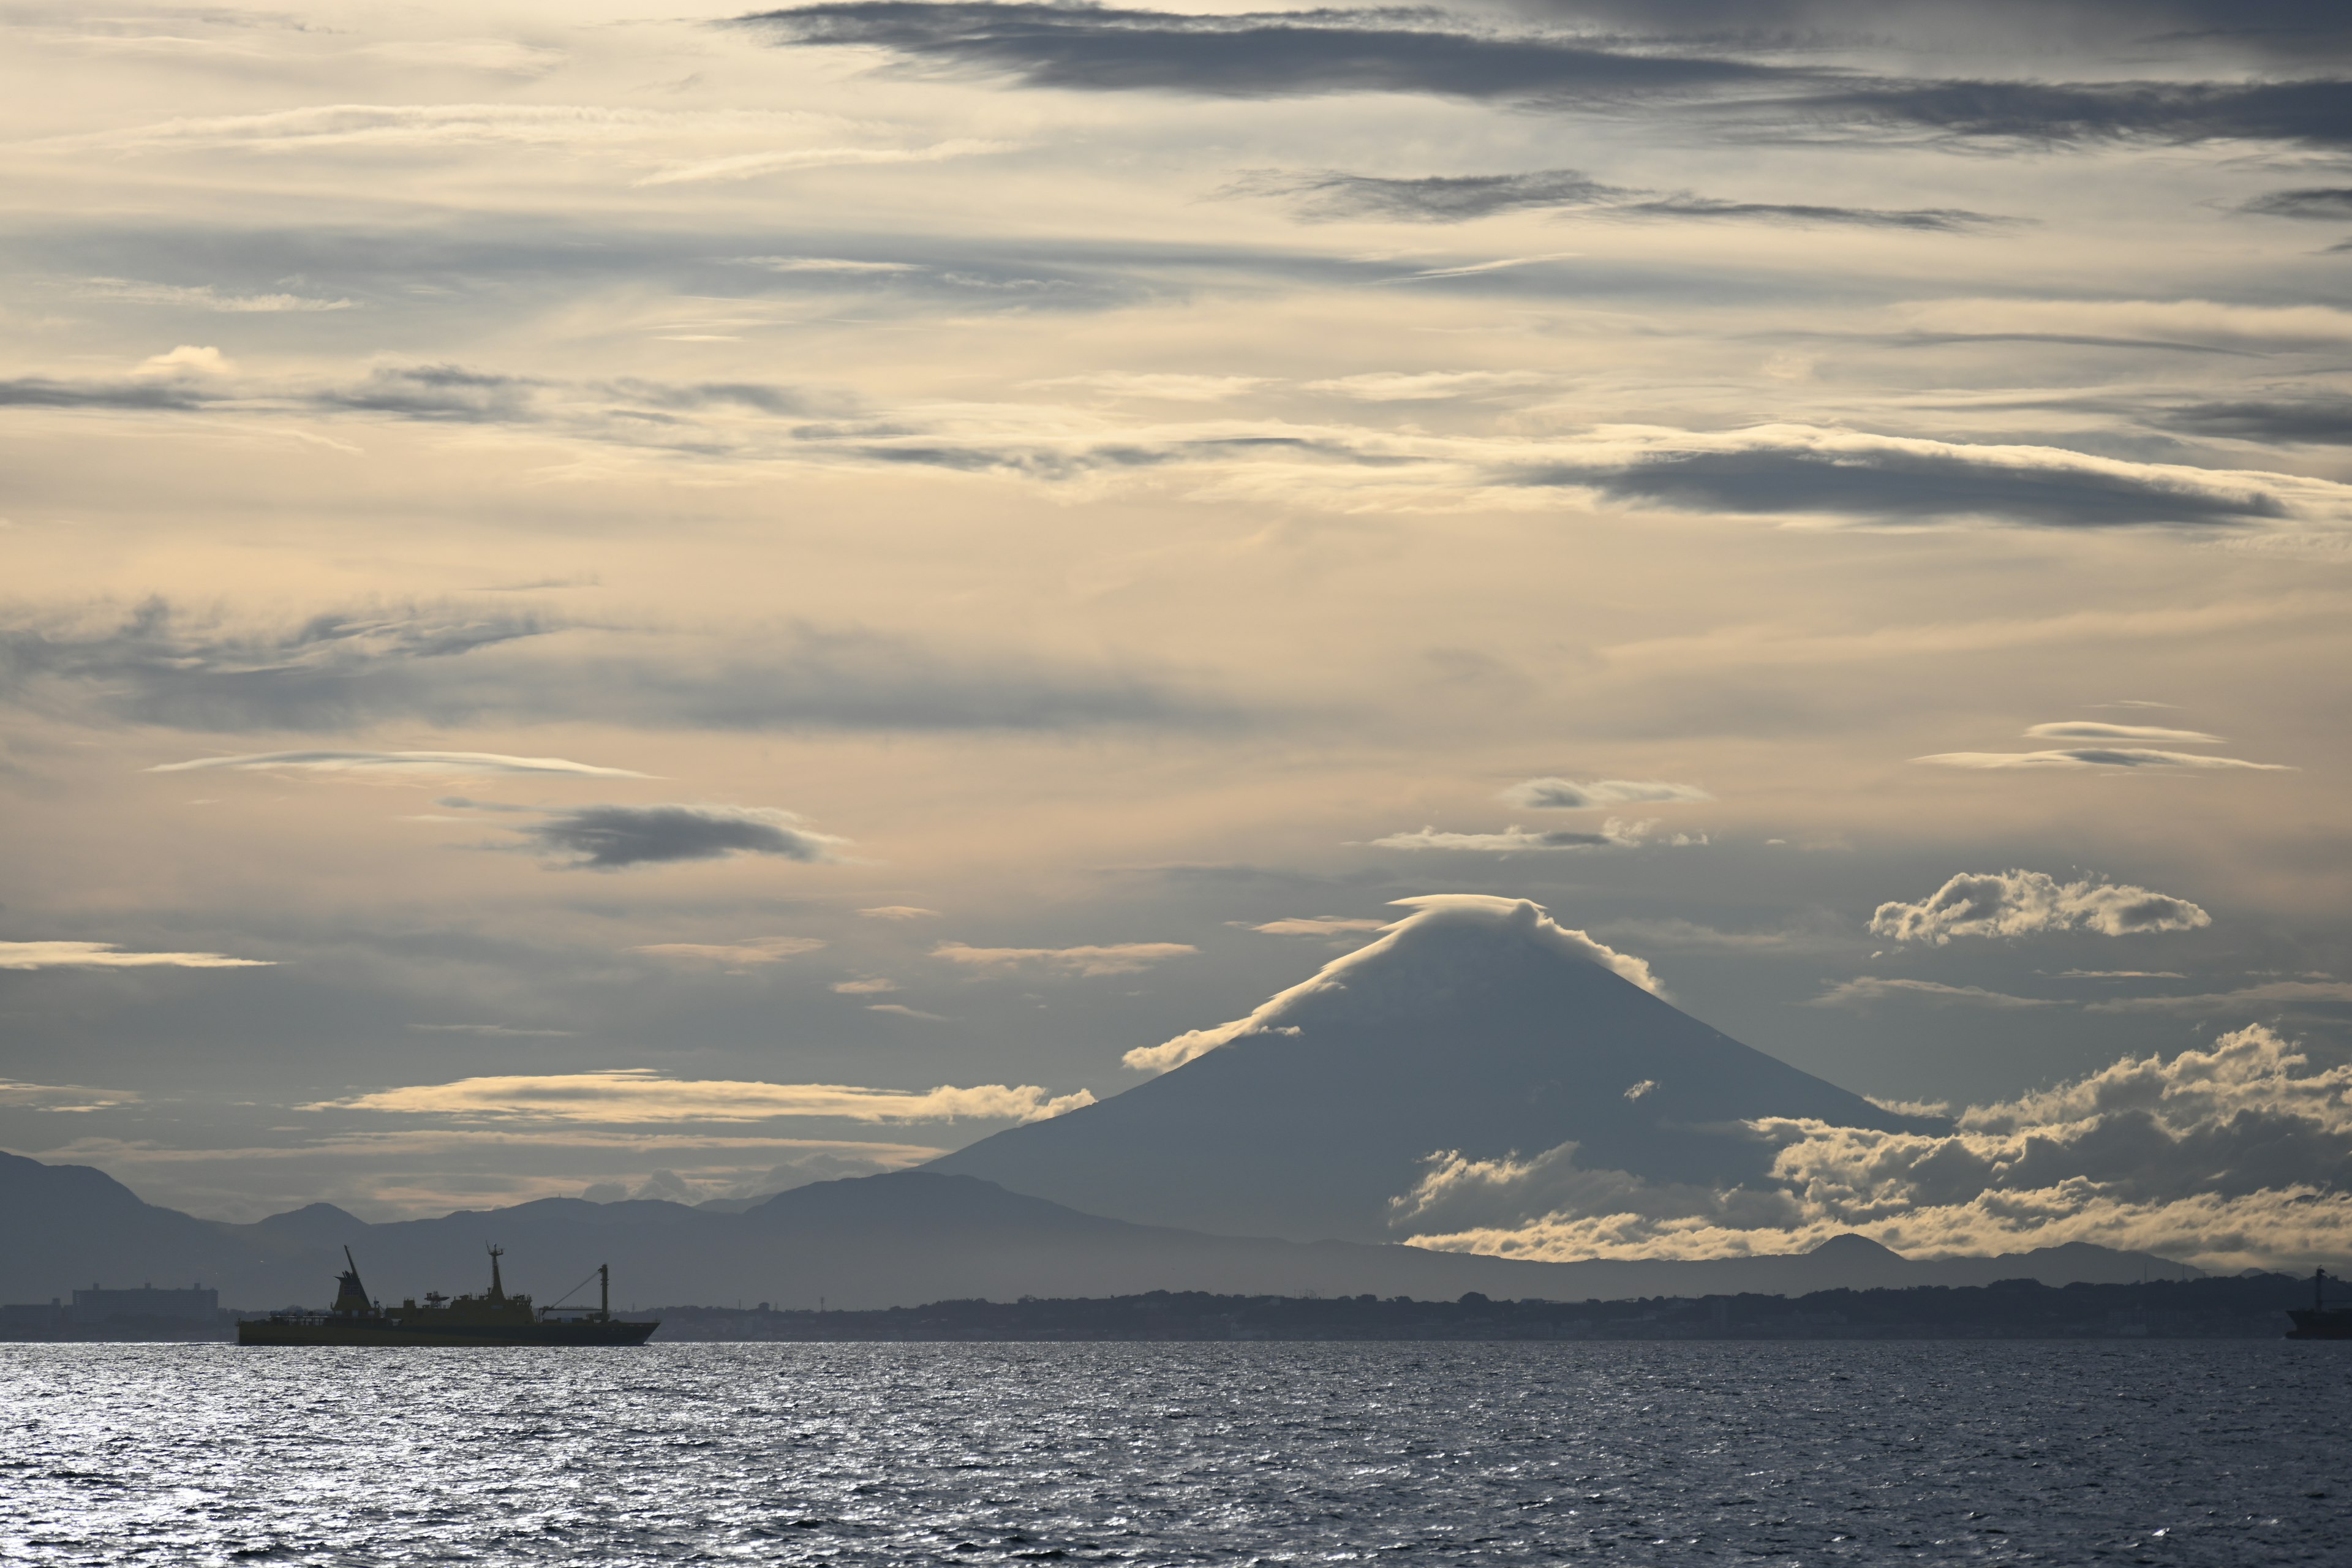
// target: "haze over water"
[[2170, 1453]]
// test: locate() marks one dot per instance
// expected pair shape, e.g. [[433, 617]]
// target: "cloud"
[[1434, 918], [435, 127], [62, 1098], [1101, 49], [455, 666], [1428, 386], [755, 165], [1320, 925], [759, 949], [188, 358], [1678, 932], [441, 764], [1793, 469], [2171, 324], [899, 912], [2094, 758], [2025, 903], [492, 1031], [106, 955], [148, 395], [1168, 386], [2232, 1157], [1120, 958], [2246, 999], [2311, 421], [2312, 112], [609, 837], [641, 1095], [2084, 729], [1867, 989], [903, 1011], [870, 985], [1614, 833], [204, 297], [1459, 198], [1564, 794], [2326, 203]]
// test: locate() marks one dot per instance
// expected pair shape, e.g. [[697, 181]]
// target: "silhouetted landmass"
[[898, 1239], [2251, 1307]]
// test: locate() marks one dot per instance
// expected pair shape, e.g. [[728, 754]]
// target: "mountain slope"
[[1474, 1025]]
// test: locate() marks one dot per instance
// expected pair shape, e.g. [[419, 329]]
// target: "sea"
[[2232, 1453]]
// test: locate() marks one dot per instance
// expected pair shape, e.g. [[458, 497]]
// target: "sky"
[[597, 598]]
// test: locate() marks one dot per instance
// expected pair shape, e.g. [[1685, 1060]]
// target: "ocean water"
[[2224, 1453]]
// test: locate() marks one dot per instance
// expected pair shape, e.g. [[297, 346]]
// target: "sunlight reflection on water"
[[2174, 1453]]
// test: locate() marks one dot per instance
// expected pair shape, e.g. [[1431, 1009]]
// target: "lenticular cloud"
[[2022, 903]]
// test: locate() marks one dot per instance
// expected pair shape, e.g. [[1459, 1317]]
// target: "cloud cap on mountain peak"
[[1505, 922]]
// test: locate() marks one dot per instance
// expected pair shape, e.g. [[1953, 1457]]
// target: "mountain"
[[903, 1239], [1474, 1025]]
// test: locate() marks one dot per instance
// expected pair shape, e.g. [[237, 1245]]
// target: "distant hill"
[[1478, 1025], [900, 1240]]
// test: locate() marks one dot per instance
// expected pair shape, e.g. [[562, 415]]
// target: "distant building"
[[32, 1319], [198, 1304]]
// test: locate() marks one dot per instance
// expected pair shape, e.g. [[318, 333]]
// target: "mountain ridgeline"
[[1476, 1026]]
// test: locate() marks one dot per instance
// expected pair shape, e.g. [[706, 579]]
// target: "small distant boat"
[[2321, 1321], [496, 1318]]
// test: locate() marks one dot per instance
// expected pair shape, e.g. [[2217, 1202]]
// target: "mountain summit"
[[1474, 1026]]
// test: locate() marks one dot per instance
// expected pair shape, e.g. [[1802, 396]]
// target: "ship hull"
[[2335, 1323], [264, 1331]]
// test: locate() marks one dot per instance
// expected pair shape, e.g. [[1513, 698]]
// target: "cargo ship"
[[2321, 1321], [494, 1319]]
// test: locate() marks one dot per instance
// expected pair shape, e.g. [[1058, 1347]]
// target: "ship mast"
[[498, 1288], [603, 1290]]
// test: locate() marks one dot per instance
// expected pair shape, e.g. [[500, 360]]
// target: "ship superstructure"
[[494, 1318], [2321, 1321]]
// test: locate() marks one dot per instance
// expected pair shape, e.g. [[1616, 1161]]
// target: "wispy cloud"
[[641, 1095], [106, 955], [2085, 729], [2268, 996], [1320, 925], [899, 912], [1115, 958], [1864, 990], [1613, 834], [204, 297], [2082, 759], [1460, 199], [1565, 795], [756, 950], [756, 165], [427, 765]]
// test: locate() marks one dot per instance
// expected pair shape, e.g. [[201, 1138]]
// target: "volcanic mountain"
[[1474, 1026]]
